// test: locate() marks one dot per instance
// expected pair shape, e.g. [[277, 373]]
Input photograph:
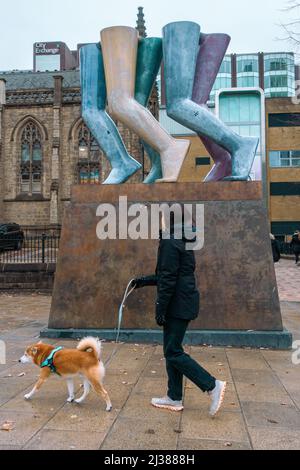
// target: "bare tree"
[[292, 27]]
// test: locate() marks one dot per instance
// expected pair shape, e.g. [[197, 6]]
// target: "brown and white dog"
[[84, 361]]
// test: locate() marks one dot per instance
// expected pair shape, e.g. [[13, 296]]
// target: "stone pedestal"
[[235, 270]]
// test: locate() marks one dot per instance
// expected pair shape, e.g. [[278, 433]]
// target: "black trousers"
[[297, 255], [180, 364]]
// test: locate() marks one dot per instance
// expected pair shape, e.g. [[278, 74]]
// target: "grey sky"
[[253, 24]]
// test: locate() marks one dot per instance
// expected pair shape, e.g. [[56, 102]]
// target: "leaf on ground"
[[150, 431], [178, 431], [7, 426], [8, 376], [153, 372], [272, 421], [228, 444], [74, 417]]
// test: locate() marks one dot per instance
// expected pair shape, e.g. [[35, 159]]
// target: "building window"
[[89, 154], [279, 75], [223, 79], [285, 158], [247, 71], [284, 120], [31, 159]]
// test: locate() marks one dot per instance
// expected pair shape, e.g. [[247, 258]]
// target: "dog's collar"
[[49, 361]]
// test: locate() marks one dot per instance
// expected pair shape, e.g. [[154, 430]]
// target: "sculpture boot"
[[119, 45], [180, 49], [103, 128], [148, 63], [212, 50]]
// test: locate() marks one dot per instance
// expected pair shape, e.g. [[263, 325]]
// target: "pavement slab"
[[261, 408]]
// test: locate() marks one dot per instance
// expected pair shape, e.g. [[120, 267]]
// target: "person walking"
[[295, 244], [275, 248], [177, 305]]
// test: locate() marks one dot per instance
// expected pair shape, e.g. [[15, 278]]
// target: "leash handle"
[[127, 293]]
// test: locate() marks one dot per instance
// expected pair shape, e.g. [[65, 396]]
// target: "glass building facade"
[[279, 75], [223, 79], [247, 71], [242, 112]]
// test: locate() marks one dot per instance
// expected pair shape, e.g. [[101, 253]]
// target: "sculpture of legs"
[[212, 50], [148, 64], [119, 46], [180, 48], [103, 128]]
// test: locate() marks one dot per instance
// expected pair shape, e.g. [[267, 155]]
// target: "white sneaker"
[[167, 404], [217, 397]]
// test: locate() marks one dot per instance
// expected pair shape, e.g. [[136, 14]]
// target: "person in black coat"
[[178, 304], [295, 244], [275, 249]]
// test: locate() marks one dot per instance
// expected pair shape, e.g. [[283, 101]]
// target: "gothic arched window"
[[89, 153], [31, 159]]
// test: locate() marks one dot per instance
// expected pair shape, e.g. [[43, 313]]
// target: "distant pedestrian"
[[275, 248], [295, 244]]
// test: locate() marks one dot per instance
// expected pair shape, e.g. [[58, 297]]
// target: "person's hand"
[[137, 283], [160, 320], [160, 316]]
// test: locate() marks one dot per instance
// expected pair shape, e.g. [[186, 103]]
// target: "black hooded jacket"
[[295, 243], [177, 294]]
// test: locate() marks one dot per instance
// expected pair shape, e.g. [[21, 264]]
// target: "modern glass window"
[[284, 158], [247, 71], [89, 154], [45, 63], [223, 79], [242, 113], [284, 120], [31, 159], [279, 75]]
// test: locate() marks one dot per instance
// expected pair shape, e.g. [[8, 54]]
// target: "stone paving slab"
[[261, 408], [288, 279]]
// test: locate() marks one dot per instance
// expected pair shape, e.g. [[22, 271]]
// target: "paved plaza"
[[261, 410]]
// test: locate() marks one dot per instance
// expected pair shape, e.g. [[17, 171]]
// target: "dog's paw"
[[78, 401], [70, 400], [109, 408], [27, 397]]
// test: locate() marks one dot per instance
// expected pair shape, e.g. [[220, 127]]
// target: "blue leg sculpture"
[[148, 64], [180, 49], [103, 128]]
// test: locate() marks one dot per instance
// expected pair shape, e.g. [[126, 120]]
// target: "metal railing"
[[36, 249], [286, 249]]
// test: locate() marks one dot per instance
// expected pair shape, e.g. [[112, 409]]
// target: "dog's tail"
[[92, 344]]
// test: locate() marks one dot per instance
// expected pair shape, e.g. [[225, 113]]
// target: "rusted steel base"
[[235, 269]]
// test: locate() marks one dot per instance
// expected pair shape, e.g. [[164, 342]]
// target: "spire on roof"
[[140, 24]]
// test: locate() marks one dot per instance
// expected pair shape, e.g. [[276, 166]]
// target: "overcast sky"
[[253, 25]]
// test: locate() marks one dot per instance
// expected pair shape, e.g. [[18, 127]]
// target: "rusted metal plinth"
[[235, 269]]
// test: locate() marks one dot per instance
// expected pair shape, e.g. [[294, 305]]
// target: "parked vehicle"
[[11, 237]]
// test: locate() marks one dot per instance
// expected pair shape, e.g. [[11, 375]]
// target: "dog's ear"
[[34, 351]]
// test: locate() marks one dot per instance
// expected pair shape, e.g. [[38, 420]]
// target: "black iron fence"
[[32, 249], [285, 248]]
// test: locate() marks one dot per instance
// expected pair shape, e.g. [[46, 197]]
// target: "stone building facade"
[[45, 147]]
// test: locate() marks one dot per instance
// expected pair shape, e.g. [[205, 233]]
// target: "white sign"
[[42, 48]]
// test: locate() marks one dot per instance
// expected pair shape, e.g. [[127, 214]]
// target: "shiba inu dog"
[[67, 363]]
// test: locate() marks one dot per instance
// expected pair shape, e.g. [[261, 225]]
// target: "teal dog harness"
[[49, 361]]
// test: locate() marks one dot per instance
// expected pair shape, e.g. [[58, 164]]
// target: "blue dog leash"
[[128, 291]]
